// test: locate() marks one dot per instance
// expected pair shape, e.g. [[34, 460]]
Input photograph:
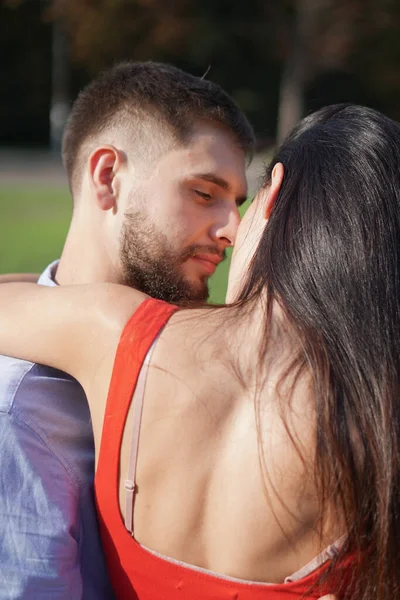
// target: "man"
[[155, 161]]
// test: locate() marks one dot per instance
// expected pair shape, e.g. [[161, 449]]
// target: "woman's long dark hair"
[[330, 255]]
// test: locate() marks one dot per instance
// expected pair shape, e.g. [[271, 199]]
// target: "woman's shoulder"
[[197, 339], [194, 369]]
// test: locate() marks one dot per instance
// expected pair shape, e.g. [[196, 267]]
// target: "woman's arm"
[[72, 328], [19, 277]]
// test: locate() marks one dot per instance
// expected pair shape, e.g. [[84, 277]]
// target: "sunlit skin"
[[250, 231], [191, 198], [203, 496], [189, 194]]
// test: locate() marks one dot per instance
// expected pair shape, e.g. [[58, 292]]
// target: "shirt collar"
[[49, 274]]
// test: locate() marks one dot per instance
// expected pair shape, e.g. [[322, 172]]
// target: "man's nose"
[[225, 229]]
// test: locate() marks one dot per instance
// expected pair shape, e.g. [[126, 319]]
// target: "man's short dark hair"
[[136, 92]]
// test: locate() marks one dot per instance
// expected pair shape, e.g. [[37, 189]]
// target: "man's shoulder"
[[12, 373], [19, 376], [47, 462], [52, 406]]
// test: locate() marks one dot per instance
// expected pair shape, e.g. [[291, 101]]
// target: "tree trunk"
[[298, 66], [59, 104]]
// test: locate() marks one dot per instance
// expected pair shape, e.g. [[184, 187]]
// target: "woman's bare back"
[[203, 495]]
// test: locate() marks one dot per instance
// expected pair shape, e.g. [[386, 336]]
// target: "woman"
[[269, 429]]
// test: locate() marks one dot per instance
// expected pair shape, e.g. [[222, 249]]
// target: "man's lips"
[[208, 262]]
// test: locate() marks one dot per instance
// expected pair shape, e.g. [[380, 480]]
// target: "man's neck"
[[85, 261]]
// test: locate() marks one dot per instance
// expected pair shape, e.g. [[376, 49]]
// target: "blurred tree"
[[278, 58], [317, 36], [226, 39], [25, 69], [105, 31], [242, 42], [294, 25], [377, 56]]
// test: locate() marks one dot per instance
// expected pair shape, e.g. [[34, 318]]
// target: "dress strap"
[[314, 564], [137, 400], [136, 339]]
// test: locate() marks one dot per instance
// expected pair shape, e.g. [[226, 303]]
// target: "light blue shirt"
[[49, 541]]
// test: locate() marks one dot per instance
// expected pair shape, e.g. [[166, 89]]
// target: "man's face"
[[182, 216]]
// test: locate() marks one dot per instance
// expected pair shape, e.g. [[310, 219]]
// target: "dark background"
[[279, 58]]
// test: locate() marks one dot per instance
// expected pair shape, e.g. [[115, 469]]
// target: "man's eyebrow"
[[222, 183]]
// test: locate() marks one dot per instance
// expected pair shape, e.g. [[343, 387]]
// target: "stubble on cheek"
[[150, 264]]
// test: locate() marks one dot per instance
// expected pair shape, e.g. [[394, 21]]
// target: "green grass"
[[219, 281], [34, 223], [33, 226]]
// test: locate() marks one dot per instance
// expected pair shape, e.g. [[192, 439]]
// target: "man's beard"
[[150, 264]]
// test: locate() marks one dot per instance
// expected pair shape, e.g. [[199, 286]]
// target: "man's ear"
[[103, 165], [276, 182]]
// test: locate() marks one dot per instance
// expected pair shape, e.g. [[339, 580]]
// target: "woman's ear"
[[103, 165], [276, 182]]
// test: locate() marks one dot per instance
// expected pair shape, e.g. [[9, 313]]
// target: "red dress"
[[137, 573]]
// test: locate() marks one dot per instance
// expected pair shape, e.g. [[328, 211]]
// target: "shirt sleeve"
[[39, 518]]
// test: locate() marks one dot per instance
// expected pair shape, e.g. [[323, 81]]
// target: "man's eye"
[[203, 195]]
